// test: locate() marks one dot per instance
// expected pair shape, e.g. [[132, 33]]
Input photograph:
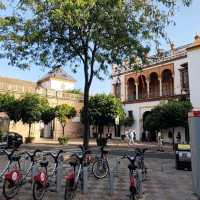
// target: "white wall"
[[194, 76], [138, 111], [61, 85], [177, 81]]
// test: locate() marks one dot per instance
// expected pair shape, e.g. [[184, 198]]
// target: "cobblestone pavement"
[[163, 183]]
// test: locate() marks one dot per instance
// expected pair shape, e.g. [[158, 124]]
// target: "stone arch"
[[131, 89], [167, 83], [142, 87], [154, 85]]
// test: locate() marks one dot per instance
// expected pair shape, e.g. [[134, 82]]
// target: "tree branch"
[[92, 63]]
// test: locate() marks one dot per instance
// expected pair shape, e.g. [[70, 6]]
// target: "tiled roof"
[[57, 73]]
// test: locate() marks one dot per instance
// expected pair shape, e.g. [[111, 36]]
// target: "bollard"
[[59, 178], [111, 182], [85, 179], [139, 183]]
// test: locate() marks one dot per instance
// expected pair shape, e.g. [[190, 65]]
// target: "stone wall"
[[73, 128]]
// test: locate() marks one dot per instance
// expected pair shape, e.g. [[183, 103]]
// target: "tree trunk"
[[63, 130], [86, 118], [173, 139], [29, 131]]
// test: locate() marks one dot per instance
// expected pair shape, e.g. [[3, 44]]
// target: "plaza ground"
[[164, 182]]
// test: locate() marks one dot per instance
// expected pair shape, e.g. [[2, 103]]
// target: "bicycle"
[[15, 178], [133, 176], [100, 167], [6, 168], [42, 180], [75, 176], [140, 162]]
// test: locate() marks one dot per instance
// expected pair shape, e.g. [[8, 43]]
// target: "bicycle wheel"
[[38, 191], [100, 169], [69, 192], [9, 189]]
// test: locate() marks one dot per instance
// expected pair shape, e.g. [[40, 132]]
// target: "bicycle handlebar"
[[9, 154]]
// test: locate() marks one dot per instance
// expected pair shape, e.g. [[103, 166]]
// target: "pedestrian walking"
[[160, 141], [131, 137]]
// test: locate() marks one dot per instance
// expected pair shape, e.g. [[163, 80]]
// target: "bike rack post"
[[140, 182], [111, 182], [34, 172], [117, 162], [59, 175], [85, 179]]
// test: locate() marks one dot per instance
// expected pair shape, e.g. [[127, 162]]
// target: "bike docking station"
[[111, 181], [85, 180], [194, 127]]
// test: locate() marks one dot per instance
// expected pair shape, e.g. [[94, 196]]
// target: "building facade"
[[168, 76], [55, 86]]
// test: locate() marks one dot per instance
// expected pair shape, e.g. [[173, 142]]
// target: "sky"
[[187, 26]]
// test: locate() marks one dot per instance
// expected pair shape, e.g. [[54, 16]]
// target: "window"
[[184, 79]]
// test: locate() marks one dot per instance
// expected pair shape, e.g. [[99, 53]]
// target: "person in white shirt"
[[131, 137]]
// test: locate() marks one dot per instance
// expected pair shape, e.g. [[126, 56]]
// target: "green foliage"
[[63, 140], [103, 109], [97, 33], [48, 114], [172, 114], [32, 106], [11, 106], [1, 136], [128, 121], [63, 113], [74, 91]]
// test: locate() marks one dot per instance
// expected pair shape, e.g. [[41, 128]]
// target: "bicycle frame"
[[5, 169]]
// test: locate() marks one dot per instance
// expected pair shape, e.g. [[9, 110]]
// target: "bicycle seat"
[[56, 155], [132, 167], [73, 164], [15, 158], [44, 163]]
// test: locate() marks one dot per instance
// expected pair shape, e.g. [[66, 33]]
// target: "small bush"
[[29, 139], [101, 141], [1, 136], [63, 140]]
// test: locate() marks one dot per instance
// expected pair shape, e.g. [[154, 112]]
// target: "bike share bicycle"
[[43, 180], [136, 163], [75, 176], [10, 161], [100, 167], [16, 177]]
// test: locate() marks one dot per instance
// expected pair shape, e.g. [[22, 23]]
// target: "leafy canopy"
[[11, 106], [172, 114], [32, 107], [65, 112], [48, 114], [103, 109], [53, 32]]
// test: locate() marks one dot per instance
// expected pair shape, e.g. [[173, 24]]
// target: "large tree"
[[170, 115], [92, 34], [104, 109]]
